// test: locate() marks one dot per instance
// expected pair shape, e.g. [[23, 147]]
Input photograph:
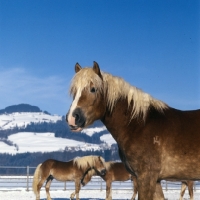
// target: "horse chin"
[[79, 129]]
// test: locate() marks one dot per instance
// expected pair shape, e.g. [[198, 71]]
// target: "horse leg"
[[47, 186], [158, 195], [72, 195], [39, 185], [135, 190], [146, 181], [108, 190], [77, 188], [190, 189], [183, 188]]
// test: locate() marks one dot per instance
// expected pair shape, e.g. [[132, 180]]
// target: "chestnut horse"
[[115, 171], [72, 170], [157, 142]]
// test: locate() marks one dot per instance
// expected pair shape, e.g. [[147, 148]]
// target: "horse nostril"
[[77, 117]]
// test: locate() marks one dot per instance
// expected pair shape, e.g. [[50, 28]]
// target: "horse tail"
[[36, 178]]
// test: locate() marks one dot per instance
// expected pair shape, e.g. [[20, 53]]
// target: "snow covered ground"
[[86, 194], [94, 190]]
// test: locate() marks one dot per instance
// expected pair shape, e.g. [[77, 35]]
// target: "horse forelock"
[[86, 161], [115, 88], [82, 80]]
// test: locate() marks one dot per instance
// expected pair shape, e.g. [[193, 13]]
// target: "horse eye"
[[93, 90]]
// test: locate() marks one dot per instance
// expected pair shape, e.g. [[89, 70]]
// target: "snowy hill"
[[21, 138], [22, 119]]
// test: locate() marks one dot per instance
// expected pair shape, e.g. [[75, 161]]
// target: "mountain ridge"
[[23, 107]]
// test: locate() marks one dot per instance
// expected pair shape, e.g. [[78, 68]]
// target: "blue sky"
[[152, 44]]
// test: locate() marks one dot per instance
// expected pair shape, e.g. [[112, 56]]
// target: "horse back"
[[117, 172], [62, 171]]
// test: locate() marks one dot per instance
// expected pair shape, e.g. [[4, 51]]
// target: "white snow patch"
[[107, 138], [91, 131]]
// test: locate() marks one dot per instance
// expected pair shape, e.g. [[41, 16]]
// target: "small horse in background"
[[72, 170], [115, 171]]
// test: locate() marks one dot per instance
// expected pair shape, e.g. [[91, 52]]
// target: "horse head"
[[88, 97], [100, 167]]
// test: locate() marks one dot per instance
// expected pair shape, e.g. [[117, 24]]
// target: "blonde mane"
[[86, 161], [115, 88], [108, 164]]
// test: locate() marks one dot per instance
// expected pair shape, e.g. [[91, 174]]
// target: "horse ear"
[[77, 68], [97, 69]]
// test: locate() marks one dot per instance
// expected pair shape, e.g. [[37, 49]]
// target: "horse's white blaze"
[[71, 119]]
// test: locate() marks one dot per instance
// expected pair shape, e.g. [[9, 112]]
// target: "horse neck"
[[118, 120]]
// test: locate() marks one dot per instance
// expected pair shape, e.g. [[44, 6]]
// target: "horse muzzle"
[[76, 121], [103, 172]]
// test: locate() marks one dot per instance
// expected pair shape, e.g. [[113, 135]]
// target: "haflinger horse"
[[157, 142], [115, 171], [72, 170]]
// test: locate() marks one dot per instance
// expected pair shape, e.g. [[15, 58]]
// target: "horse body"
[[164, 147], [115, 171], [61, 171], [65, 171], [165, 139], [156, 141]]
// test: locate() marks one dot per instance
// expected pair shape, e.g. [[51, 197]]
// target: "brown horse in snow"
[[157, 142], [115, 171], [72, 170]]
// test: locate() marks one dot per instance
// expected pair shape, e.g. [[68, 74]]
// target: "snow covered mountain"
[[22, 119], [17, 135]]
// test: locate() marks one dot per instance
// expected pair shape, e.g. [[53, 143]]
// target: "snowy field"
[[87, 195]]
